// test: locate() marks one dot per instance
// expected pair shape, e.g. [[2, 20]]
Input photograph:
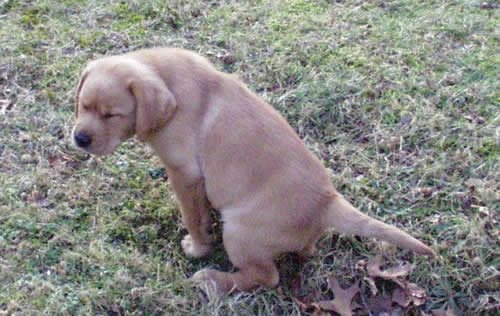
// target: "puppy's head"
[[116, 98]]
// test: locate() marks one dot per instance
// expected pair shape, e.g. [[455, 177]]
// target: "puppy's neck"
[[157, 142], [166, 147]]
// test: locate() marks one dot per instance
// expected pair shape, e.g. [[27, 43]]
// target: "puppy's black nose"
[[82, 140]]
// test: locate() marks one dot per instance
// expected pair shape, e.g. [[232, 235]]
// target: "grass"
[[398, 98]]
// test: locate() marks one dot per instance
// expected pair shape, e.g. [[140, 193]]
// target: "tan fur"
[[223, 147]]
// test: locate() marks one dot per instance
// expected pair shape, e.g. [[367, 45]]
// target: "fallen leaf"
[[38, 198], [35, 196], [306, 302], [473, 183], [70, 161], [228, 59], [342, 302], [416, 294], [443, 312], [399, 297], [380, 304], [391, 144], [319, 312], [361, 265], [371, 283], [374, 270], [6, 105], [486, 5], [52, 160], [408, 293], [394, 142], [483, 210], [411, 294], [426, 192]]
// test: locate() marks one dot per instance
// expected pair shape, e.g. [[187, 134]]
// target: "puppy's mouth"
[[100, 149], [94, 146]]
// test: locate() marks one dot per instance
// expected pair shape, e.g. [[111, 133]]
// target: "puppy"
[[223, 147]]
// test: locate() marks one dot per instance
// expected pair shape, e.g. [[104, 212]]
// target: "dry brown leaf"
[[416, 294], [443, 312], [400, 297], [371, 283], [407, 293], [361, 265], [380, 304], [393, 143], [37, 198], [426, 192], [52, 160], [319, 312], [410, 293], [342, 302], [374, 270], [228, 59]]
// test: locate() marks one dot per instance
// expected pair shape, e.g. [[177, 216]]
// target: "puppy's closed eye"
[[109, 115]]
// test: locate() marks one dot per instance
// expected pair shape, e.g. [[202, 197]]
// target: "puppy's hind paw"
[[207, 280], [194, 249], [308, 252]]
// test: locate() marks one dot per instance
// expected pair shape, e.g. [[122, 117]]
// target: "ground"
[[399, 99]]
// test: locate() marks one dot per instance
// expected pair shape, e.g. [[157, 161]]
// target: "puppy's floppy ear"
[[79, 88], [155, 105]]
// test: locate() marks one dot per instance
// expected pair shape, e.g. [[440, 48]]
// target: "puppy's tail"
[[345, 218]]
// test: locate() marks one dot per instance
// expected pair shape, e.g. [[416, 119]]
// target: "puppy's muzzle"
[[82, 140]]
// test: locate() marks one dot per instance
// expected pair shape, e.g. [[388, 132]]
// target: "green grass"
[[398, 98]]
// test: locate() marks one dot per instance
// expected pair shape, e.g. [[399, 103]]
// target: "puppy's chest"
[[176, 148]]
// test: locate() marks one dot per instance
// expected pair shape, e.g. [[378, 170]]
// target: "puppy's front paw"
[[193, 248]]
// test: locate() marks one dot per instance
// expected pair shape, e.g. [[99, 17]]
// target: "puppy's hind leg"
[[309, 250], [246, 279], [254, 262]]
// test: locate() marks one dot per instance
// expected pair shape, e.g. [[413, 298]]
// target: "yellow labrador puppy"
[[223, 147]]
